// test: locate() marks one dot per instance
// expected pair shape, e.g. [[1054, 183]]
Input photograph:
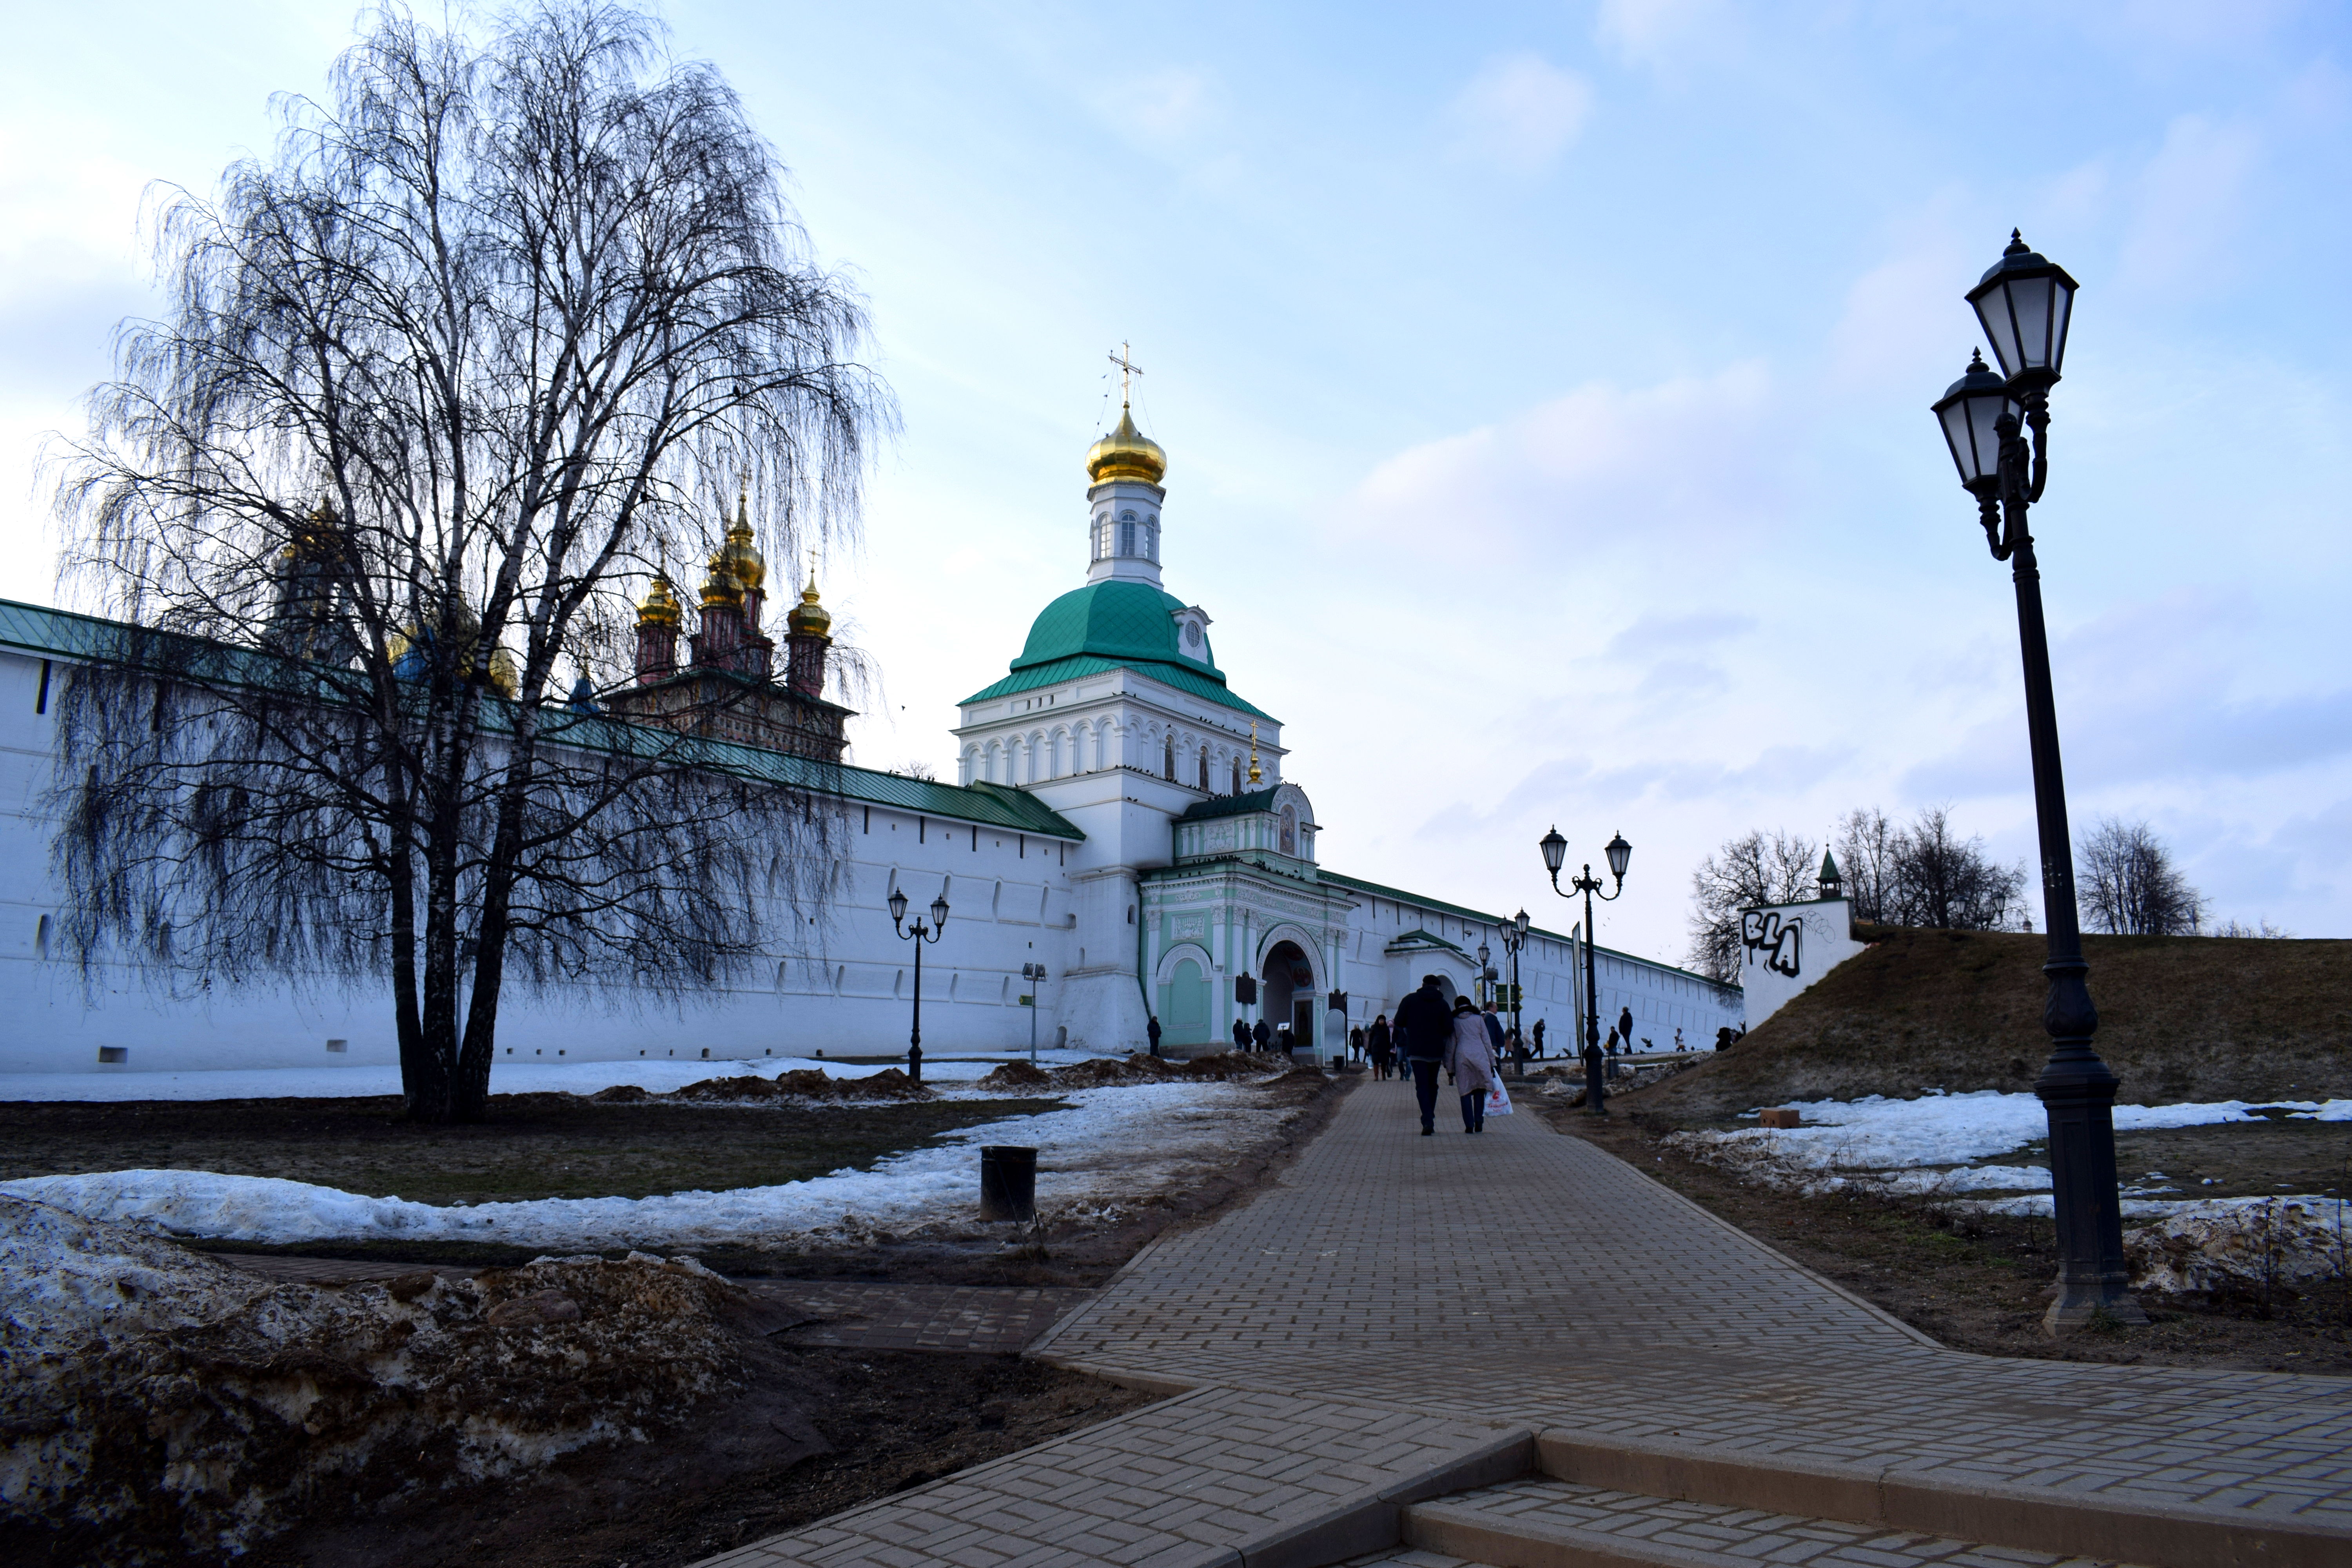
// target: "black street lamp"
[[1514, 937], [1035, 974], [2025, 304], [1621, 855], [919, 934]]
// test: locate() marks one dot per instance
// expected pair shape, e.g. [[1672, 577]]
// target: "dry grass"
[[2181, 1019]]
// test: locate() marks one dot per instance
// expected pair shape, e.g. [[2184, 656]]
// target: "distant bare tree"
[[482, 348], [1746, 871], [2130, 885], [1941, 880], [1866, 847], [2240, 929]]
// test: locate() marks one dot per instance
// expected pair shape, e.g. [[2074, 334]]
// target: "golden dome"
[[1125, 453], [722, 588], [660, 609], [809, 618], [742, 556]]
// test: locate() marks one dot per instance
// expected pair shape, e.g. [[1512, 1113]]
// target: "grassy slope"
[[2181, 1019]]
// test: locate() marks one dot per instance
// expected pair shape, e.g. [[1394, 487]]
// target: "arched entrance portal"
[[1289, 990]]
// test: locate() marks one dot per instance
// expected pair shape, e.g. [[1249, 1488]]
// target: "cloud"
[[2187, 233], [1601, 469], [1658, 32], [1693, 628], [1520, 112]]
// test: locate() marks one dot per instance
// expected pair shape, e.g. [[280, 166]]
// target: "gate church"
[[1122, 817]]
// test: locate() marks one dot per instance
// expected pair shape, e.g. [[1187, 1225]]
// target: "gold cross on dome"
[[1127, 370]]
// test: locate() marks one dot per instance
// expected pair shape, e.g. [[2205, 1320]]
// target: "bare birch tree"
[[486, 343], [2130, 885]]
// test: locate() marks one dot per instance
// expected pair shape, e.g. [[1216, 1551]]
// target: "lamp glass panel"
[[1954, 417], [2062, 311], [2001, 327], [1555, 851], [2029, 303], [939, 911], [1984, 412], [897, 906]]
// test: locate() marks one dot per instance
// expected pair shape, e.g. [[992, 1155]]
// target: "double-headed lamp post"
[[2025, 304], [1621, 855], [920, 935], [1514, 937]]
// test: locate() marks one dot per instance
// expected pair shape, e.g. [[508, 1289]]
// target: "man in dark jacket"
[[1152, 1031], [1423, 1024], [1625, 1028], [1241, 1035], [1261, 1035]]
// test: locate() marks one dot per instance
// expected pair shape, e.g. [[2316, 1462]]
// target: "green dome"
[[1116, 620]]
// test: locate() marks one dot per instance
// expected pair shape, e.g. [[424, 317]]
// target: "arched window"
[[1204, 769], [1237, 776], [1290, 830], [1127, 534], [1167, 759]]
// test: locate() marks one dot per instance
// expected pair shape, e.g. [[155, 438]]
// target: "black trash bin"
[[1008, 1182]]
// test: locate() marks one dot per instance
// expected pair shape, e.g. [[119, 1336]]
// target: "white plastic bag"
[[1499, 1100]]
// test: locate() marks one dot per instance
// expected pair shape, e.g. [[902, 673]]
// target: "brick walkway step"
[[1539, 1522]]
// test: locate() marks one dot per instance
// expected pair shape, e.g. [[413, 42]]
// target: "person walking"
[[1498, 1037], [1241, 1035], [1425, 1026], [1471, 1057], [1356, 1044], [1536, 1034], [1260, 1036], [1678, 1038], [1384, 1048], [1151, 1031], [1625, 1028]]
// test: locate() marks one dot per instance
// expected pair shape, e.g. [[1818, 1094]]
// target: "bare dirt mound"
[[806, 1083], [2181, 1019], [1223, 1068], [163, 1407]]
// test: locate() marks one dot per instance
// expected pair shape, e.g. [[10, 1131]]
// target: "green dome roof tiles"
[[1116, 620]]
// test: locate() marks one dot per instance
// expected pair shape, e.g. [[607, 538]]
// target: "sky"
[[1544, 387]]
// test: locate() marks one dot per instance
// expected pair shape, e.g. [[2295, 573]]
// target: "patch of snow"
[[1879, 1133], [1109, 1145]]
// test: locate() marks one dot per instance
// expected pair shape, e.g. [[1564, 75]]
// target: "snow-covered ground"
[[1109, 1146], [658, 1076], [1918, 1136]]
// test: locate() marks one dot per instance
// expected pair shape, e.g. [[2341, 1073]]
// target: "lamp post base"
[[2080, 1305]]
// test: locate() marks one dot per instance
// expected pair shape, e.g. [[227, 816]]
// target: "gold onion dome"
[[742, 556], [660, 608], [722, 588], [1127, 453], [809, 618]]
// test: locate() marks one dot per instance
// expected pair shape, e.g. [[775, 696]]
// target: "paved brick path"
[[1522, 1283]]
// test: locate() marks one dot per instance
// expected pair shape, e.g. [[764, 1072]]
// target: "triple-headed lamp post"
[[2025, 304], [1621, 855], [920, 935]]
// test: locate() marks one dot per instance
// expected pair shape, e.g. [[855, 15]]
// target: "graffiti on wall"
[[1778, 944]]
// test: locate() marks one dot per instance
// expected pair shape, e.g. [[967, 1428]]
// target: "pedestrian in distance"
[[1424, 1027], [1498, 1038], [1596, 1095], [1536, 1034], [1625, 1028], [1260, 1036], [1384, 1048], [1241, 1035], [1151, 1031], [1283, 1040], [1356, 1044], [1472, 1058], [1678, 1038]]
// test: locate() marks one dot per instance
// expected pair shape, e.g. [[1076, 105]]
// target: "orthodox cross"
[[1127, 370]]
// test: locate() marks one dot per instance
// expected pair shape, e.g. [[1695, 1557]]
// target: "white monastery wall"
[[1785, 949]]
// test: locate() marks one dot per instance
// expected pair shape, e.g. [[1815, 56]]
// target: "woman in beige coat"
[[1470, 1057]]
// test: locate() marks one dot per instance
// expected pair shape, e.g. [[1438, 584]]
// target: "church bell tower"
[[1125, 469]]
